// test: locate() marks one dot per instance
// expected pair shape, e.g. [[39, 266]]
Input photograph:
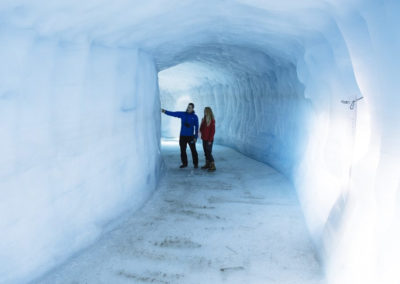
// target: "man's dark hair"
[[191, 104]]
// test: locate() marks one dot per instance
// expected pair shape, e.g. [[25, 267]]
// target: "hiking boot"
[[212, 167], [206, 166], [183, 166]]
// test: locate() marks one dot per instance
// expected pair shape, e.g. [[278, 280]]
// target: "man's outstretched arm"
[[173, 113]]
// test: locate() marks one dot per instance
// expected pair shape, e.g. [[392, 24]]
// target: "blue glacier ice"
[[82, 83]]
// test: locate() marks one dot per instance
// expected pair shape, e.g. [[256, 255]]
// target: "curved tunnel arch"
[[240, 82], [282, 97]]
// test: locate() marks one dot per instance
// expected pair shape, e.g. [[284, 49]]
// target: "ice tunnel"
[[307, 87]]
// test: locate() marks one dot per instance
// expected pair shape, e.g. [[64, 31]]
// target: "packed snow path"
[[240, 224]]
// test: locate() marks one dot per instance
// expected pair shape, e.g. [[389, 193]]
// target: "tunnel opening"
[[258, 101]]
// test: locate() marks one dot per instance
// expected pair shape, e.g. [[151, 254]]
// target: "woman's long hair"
[[208, 115]]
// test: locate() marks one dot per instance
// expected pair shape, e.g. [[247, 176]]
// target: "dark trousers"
[[207, 150], [183, 141]]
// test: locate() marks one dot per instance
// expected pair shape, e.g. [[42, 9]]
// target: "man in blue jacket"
[[189, 133]]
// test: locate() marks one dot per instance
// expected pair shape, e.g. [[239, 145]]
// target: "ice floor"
[[241, 224]]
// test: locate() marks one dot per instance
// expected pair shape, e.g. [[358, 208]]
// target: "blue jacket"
[[188, 122]]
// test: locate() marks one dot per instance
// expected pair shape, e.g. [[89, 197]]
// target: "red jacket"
[[207, 132]]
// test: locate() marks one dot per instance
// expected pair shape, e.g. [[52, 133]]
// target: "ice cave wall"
[[76, 150]]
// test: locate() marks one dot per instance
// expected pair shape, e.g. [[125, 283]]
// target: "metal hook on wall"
[[351, 103]]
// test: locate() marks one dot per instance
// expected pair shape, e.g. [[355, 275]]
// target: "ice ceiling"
[[76, 73]]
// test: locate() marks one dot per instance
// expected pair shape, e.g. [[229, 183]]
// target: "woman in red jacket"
[[207, 129]]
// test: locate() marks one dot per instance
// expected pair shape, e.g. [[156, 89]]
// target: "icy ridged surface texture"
[[75, 147]]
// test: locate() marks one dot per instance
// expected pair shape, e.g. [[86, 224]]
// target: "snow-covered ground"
[[240, 224]]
